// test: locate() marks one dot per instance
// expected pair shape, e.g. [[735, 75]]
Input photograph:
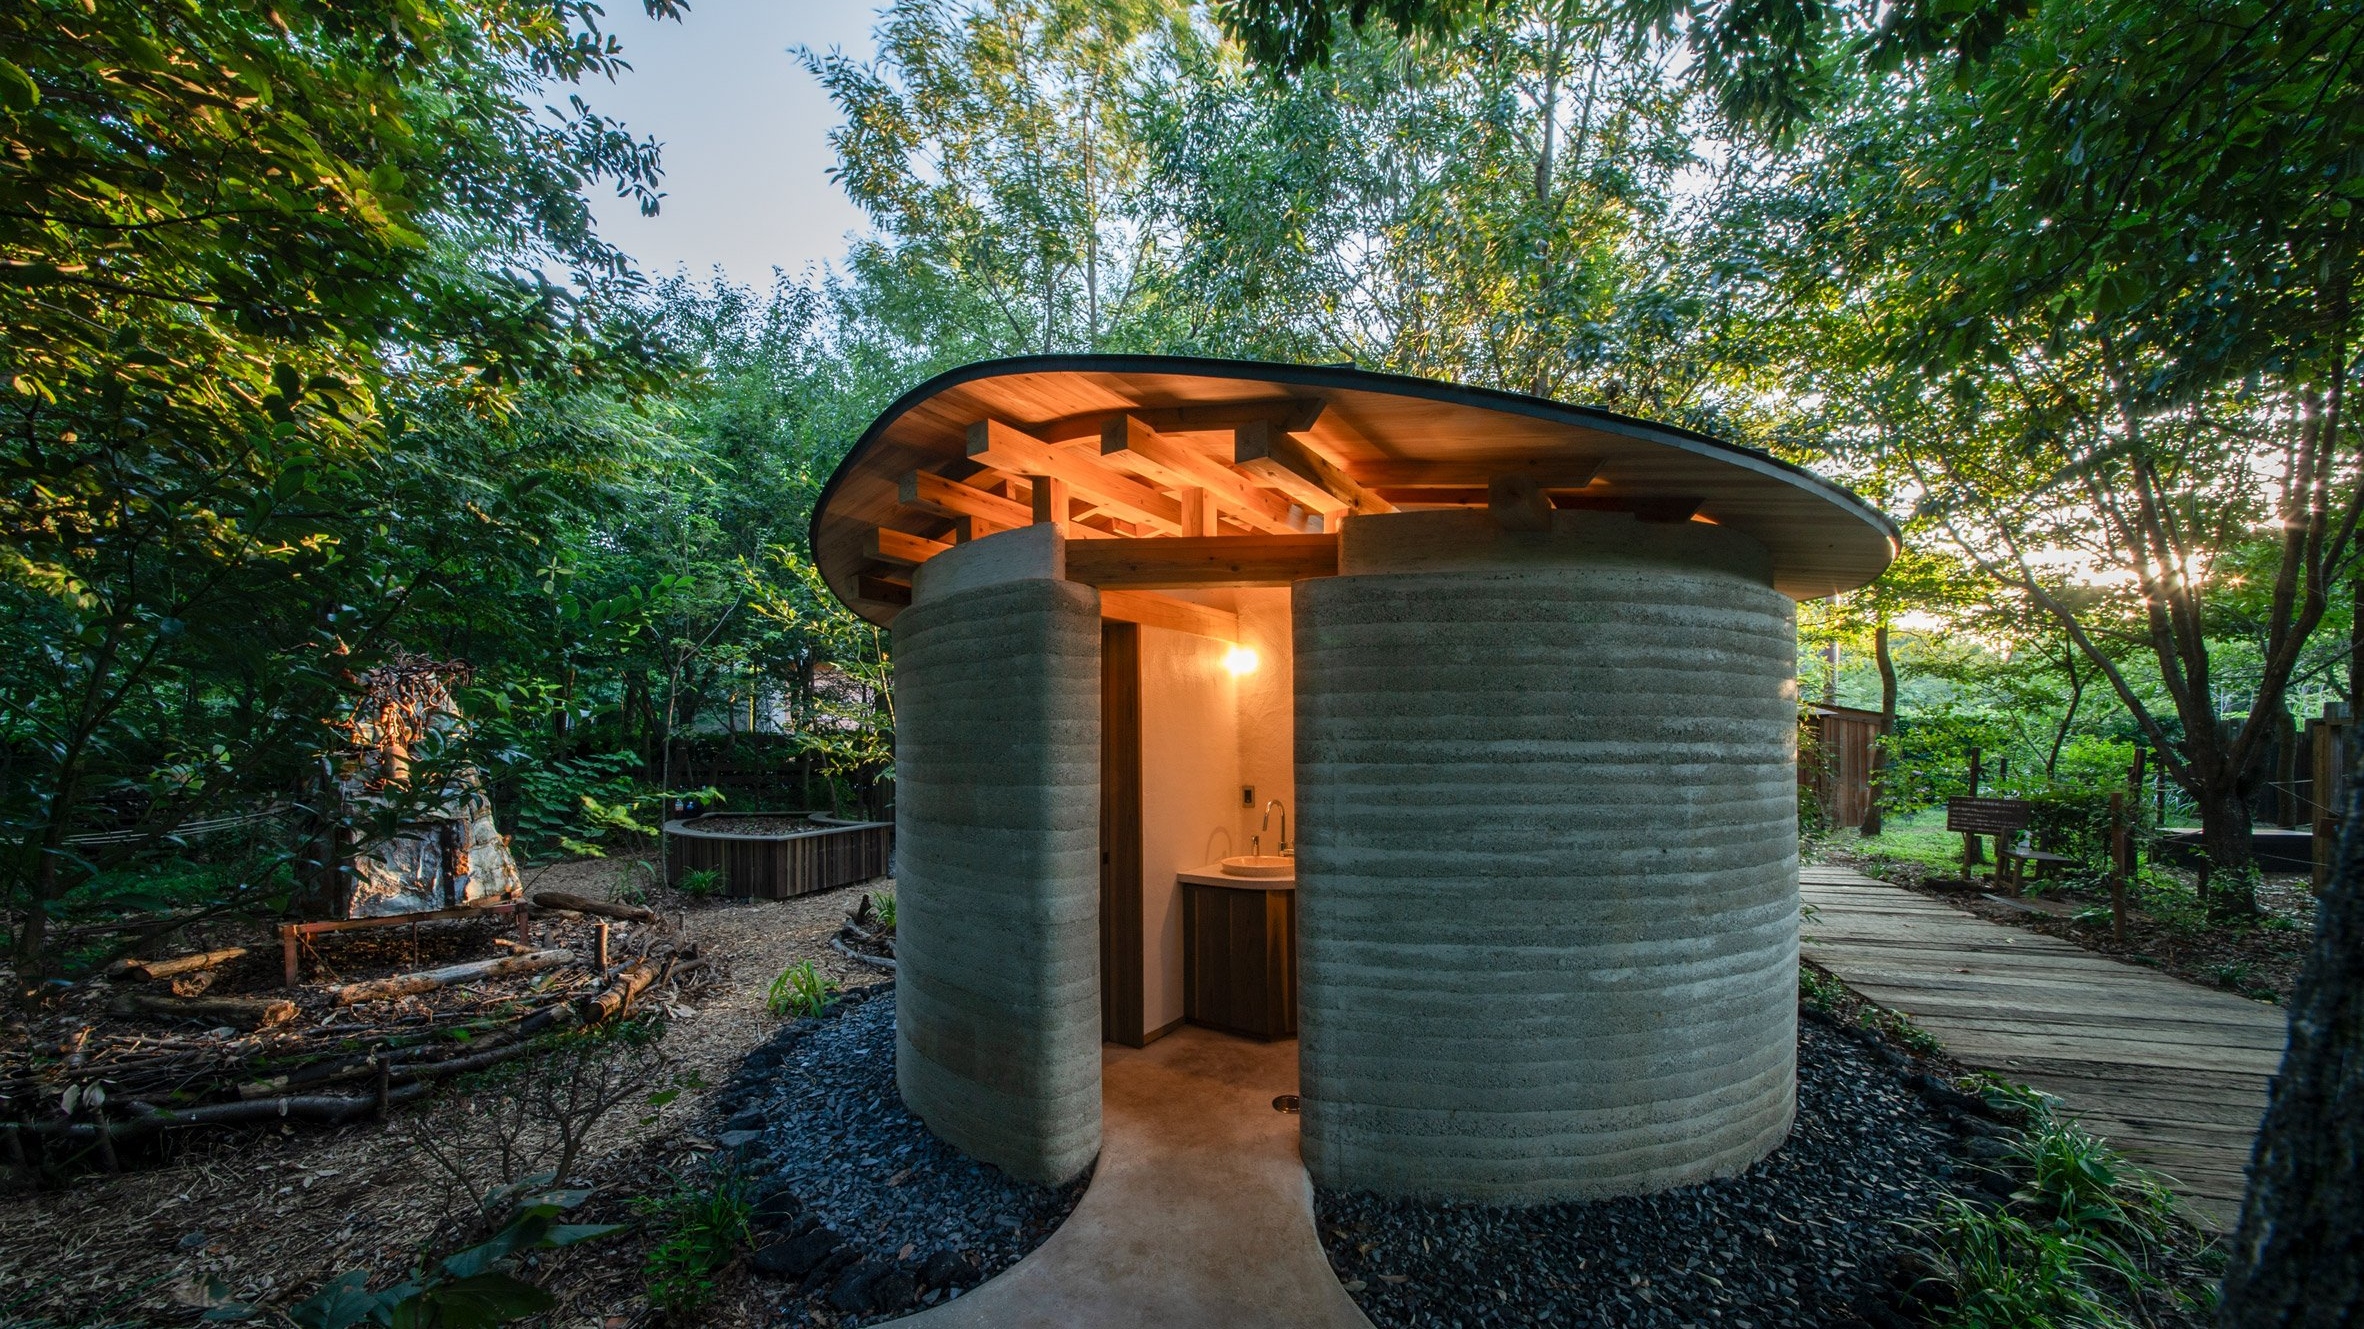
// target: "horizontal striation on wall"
[[997, 761], [1547, 878]]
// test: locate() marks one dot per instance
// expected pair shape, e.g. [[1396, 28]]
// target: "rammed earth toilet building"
[[1450, 732]]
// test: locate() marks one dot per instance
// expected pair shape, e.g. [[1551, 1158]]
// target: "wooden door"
[[1121, 1017]]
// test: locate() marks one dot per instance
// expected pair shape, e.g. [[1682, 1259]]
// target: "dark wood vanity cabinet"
[[1239, 958]]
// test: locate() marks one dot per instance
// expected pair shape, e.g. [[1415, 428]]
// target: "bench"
[[2011, 863], [2001, 818]]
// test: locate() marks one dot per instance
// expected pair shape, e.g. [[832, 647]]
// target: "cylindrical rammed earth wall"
[[997, 765], [1547, 860]]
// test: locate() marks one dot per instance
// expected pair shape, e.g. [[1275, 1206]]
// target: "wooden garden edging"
[[783, 866]]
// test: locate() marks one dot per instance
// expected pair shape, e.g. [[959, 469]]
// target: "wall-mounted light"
[[1240, 660]]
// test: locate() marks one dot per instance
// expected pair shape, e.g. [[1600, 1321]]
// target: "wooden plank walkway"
[[2173, 1074]]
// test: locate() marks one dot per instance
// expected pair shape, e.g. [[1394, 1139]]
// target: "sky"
[[745, 130]]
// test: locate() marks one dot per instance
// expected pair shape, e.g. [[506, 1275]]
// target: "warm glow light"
[[1240, 660]]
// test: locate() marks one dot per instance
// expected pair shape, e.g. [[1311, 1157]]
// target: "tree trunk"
[[2356, 644], [1879, 757], [2227, 887], [2295, 1258]]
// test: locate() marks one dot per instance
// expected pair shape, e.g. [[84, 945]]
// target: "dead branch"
[[252, 1012], [403, 985], [179, 964], [632, 980]]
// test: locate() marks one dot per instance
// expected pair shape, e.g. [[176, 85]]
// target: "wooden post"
[[1970, 842], [2134, 791], [601, 931], [287, 954], [2007, 881], [1050, 501], [2121, 851]]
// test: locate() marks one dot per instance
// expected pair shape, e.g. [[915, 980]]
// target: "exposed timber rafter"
[[1280, 460], [1130, 442], [888, 545], [1003, 448], [1164, 611], [989, 513], [1230, 560]]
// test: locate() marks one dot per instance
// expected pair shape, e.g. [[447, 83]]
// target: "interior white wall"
[[1190, 778], [1267, 714]]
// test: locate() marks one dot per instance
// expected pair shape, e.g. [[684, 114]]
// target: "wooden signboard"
[[1987, 816]]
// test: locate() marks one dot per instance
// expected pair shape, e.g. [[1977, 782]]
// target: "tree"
[[1502, 211], [240, 246], [2295, 1258], [2071, 407], [1769, 67], [992, 149]]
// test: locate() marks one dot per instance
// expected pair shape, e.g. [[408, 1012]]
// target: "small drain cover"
[[1285, 1103]]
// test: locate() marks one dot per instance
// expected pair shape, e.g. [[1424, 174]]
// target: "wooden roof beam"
[[1280, 460], [888, 545], [1224, 560], [884, 590], [987, 513], [1130, 442], [1006, 449], [1164, 611]]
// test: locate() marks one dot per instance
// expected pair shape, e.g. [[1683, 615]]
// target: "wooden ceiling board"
[[1824, 540]]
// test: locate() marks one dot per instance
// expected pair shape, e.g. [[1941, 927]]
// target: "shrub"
[[799, 990], [699, 883], [698, 1228], [501, 1127], [886, 909]]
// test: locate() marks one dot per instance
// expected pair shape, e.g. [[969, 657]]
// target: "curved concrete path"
[[2172, 1074], [1199, 1213]]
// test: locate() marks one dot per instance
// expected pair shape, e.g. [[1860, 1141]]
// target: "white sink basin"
[[1259, 865]]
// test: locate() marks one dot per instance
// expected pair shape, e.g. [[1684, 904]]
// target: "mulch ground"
[[265, 1216]]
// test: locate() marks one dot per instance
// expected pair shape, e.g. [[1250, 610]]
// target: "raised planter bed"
[[777, 855]]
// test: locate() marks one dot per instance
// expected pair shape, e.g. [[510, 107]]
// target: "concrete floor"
[[1198, 1214]]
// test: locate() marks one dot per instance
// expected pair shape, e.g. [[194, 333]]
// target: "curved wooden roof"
[[1126, 446]]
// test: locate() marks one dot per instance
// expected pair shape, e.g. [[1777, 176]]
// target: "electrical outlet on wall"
[[1247, 795]]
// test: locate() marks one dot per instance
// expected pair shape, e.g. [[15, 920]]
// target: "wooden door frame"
[[1121, 978]]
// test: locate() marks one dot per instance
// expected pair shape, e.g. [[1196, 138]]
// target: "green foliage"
[[884, 903], [699, 1226], [1821, 993], [699, 883], [799, 991], [571, 806], [2010, 1274], [2085, 1240], [474, 1288], [265, 263]]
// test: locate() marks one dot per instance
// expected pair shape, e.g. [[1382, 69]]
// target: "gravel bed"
[[1806, 1237], [862, 1213]]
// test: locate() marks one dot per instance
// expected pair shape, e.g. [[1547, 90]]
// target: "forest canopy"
[[314, 355]]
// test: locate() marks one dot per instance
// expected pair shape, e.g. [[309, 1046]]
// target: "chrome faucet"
[[1269, 805]]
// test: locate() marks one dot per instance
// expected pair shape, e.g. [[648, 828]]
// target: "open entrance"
[[1198, 901]]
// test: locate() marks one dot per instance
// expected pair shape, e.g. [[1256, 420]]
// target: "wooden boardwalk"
[[2173, 1074]]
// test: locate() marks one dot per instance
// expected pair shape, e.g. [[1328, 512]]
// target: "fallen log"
[[179, 964], [838, 944], [427, 980], [576, 904], [254, 1012], [632, 980]]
